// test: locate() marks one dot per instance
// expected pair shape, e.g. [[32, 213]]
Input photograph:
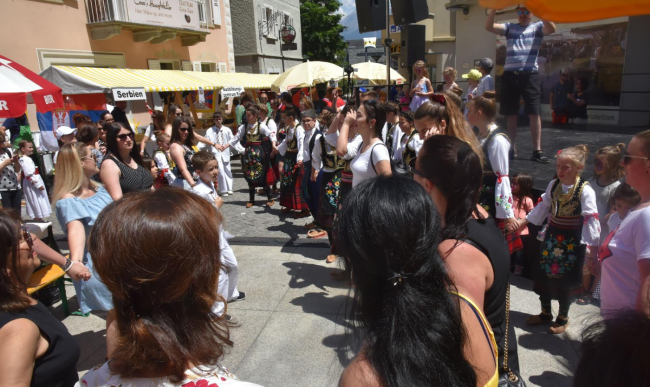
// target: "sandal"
[[311, 226], [560, 325], [539, 319], [331, 258], [316, 233], [270, 203], [250, 204]]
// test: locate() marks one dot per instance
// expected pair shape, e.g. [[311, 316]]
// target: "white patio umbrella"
[[375, 73], [306, 75]]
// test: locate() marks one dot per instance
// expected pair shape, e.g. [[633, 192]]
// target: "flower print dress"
[[291, 175], [201, 376], [573, 226], [325, 152], [256, 159], [496, 194]]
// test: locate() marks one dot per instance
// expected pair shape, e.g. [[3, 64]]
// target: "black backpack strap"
[[371, 160]]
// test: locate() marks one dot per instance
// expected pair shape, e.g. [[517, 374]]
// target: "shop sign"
[[231, 91], [183, 14], [129, 93], [369, 42], [395, 29], [288, 34]]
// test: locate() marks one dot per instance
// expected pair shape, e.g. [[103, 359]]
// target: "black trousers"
[[11, 199]]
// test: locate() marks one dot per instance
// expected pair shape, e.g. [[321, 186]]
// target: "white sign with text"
[[129, 93], [165, 13], [231, 92]]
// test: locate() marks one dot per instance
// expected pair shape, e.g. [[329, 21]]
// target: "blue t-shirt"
[[14, 124], [523, 46]]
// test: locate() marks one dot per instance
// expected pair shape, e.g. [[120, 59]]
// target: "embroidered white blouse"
[[498, 150]]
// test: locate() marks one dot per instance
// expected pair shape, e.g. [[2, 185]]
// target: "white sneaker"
[[223, 194], [229, 192]]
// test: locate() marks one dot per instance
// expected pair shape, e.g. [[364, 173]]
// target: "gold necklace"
[[564, 198]]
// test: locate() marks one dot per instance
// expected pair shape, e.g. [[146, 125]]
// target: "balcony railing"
[[99, 11]]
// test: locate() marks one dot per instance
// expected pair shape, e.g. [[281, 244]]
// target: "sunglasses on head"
[[27, 237], [627, 158], [123, 137], [523, 12]]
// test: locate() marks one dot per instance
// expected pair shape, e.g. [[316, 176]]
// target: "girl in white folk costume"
[[407, 140], [221, 136], [574, 225], [36, 200], [293, 170], [496, 193], [256, 163]]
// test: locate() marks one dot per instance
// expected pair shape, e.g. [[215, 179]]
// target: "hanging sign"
[[369, 42], [129, 93], [232, 92]]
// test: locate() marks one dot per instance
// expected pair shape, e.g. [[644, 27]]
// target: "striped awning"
[[247, 81], [88, 80]]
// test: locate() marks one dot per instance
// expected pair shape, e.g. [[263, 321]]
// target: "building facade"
[[257, 27], [191, 35]]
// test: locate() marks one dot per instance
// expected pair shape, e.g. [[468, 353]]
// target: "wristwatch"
[[68, 264]]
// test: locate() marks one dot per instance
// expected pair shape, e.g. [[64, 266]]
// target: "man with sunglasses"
[[520, 77]]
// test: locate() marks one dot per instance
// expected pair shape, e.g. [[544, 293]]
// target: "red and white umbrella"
[[18, 86]]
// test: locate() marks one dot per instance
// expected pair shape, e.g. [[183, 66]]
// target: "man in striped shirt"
[[521, 74]]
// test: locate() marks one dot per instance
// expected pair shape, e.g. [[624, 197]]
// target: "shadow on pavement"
[[345, 345], [552, 379], [307, 274]]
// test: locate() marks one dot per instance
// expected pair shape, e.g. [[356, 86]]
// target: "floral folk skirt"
[[291, 184], [329, 198]]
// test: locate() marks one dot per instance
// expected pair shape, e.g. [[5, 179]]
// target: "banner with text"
[[128, 93], [231, 92], [165, 13]]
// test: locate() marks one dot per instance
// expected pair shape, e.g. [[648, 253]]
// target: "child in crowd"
[[164, 161], [625, 198], [607, 173], [151, 166], [522, 204], [221, 135], [486, 83], [405, 100], [36, 200], [64, 135], [574, 225], [473, 78], [206, 167]]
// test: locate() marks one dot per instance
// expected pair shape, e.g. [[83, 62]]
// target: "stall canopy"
[[88, 80]]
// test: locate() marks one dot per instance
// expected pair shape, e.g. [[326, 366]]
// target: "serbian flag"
[[91, 105], [19, 86]]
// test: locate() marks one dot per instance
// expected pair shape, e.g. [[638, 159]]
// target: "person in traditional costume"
[[256, 157], [573, 225], [496, 193], [310, 188], [293, 170], [407, 141]]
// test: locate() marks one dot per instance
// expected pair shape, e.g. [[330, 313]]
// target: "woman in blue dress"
[[78, 200]]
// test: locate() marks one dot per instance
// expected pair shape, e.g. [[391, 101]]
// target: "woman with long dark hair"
[[181, 150], [472, 246], [416, 328], [121, 170]]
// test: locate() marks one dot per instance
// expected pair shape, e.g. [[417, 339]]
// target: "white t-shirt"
[[360, 166], [620, 281], [614, 221]]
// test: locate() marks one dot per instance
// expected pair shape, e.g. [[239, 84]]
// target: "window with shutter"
[[154, 64], [202, 15], [223, 67], [265, 30], [196, 65], [186, 65], [216, 12]]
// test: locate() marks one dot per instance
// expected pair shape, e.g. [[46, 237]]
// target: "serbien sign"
[[129, 93]]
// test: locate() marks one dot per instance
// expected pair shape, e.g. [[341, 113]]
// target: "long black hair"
[[455, 169], [176, 131], [112, 130], [411, 327], [375, 110]]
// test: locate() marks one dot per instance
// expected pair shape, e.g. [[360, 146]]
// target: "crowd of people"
[[416, 198]]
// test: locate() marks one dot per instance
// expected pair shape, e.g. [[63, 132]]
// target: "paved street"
[[292, 329]]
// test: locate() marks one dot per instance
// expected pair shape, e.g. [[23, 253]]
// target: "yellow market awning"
[[88, 80]]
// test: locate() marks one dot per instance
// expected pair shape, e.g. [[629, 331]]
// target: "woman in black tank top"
[[451, 172], [34, 346]]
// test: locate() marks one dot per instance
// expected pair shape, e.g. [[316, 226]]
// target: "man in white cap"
[[65, 135]]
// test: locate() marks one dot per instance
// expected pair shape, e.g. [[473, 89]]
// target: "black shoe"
[[539, 157], [240, 297]]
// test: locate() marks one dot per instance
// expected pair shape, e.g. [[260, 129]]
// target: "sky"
[[347, 7]]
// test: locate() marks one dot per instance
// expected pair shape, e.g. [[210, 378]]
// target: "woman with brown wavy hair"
[[165, 332]]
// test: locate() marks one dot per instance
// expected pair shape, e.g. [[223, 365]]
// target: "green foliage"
[[321, 31]]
